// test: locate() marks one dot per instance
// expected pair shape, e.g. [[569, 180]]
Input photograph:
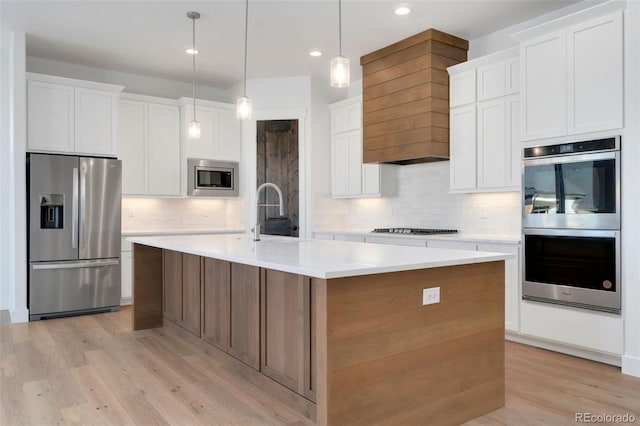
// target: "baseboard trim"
[[19, 315], [631, 365], [125, 301], [580, 352]]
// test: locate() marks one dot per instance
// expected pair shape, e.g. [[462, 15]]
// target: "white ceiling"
[[149, 37]]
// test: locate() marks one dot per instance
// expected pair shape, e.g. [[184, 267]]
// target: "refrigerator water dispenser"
[[51, 211]]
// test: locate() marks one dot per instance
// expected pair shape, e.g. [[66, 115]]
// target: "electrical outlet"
[[430, 295]]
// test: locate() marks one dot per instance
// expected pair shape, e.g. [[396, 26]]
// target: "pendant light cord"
[[246, 30], [194, 68], [340, 27]]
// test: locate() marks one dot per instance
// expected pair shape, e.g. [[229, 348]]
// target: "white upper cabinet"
[[462, 145], [149, 145], [219, 130], [485, 151], [347, 117], [50, 117], [462, 88], [346, 151], [595, 75], [492, 144], [573, 76], [544, 87], [349, 176], [492, 82], [71, 116], [132, 134]]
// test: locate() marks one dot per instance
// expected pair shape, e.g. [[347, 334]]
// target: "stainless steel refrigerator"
[[74, 235]]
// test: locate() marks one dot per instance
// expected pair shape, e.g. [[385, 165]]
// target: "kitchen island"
[[342, 332]]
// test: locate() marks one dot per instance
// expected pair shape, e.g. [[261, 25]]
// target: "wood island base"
[[357, 350]]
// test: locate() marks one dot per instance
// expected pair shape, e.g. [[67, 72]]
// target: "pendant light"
[[340, 65], [243, 108], [194, 126]]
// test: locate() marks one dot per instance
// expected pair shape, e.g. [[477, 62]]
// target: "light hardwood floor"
[[96, 370]]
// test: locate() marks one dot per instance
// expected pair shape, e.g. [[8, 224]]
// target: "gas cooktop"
[[414, 231]]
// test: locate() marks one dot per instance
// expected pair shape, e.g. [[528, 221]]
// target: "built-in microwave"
[[211, 178]]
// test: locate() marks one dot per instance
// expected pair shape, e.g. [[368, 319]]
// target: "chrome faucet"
[[256, 228]]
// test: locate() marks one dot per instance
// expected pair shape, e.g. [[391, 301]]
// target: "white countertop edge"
[[477, 238], [181, 232], [476, 257]]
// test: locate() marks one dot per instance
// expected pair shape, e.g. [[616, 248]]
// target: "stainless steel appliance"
[[209, 178], [573, 267], [414, 231], [573, 185], [74, 235], [571, 224]]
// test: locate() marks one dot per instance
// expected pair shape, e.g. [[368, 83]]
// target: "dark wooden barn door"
[[277, 158]]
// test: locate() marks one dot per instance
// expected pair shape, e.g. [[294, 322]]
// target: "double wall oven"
[[571, 224]]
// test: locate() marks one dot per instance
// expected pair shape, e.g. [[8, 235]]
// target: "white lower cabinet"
[[511, 283], [126, 271], [598, 331]]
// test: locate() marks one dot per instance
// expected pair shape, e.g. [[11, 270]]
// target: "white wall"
[[631, 201], [5, 163], [134, 83], [13, 218]]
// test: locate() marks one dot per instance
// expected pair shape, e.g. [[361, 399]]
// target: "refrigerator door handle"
[[83, 205], [77, 265], [74, 210]]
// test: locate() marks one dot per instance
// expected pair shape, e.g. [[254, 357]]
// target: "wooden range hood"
[[406, 98]]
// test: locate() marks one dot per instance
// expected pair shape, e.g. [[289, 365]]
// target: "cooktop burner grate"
[[414, 231]]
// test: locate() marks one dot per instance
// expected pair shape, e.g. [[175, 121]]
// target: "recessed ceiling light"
[[315, 52], [403, 10], [191, 51]]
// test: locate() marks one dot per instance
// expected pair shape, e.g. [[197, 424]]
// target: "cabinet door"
[[245, 314], [172, 285], [371, 179], [132, 149], [512, 75], [50, 117], [492, 149], [491, 81], [203, 147], [283, 326], [126, 277], [462, 162], [345, 118], [164, 150], [191, 293], [95, 121], [227, 140], [216, 302], [511, 283], [595, 74], [513, 146], [347, 164], [544, 86], [462, 88]]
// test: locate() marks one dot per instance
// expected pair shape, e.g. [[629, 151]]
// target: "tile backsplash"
[[423, 201], [180, 214]]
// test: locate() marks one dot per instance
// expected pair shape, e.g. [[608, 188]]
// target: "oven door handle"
[[572, 232]]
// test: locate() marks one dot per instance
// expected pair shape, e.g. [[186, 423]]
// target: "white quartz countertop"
[[317, 258]]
